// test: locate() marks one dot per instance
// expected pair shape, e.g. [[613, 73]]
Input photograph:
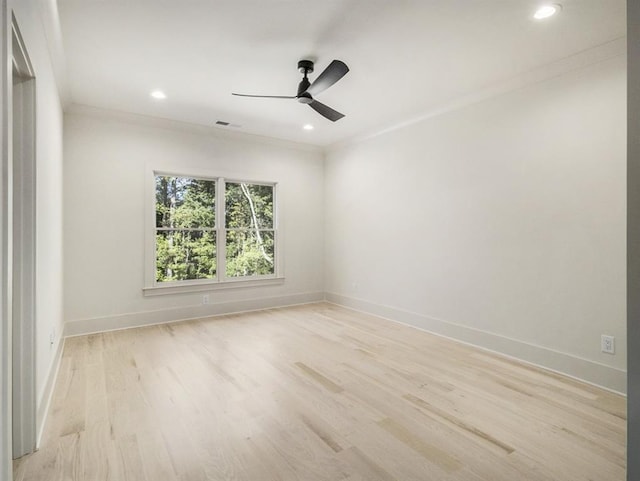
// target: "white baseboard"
[[585, 370], [44, 400], [592, 372], [138, 319]]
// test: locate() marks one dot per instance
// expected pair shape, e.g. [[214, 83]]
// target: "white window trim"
[[154, 288]]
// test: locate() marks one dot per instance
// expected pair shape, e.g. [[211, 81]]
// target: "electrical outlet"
[[608, 344], [52, 337], [205, 299]]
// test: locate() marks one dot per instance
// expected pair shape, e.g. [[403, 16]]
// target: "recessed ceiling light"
[[308, 127], [158, 94], [547, 11]]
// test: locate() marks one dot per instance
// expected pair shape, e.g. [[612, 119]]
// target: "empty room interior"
[[320, 240]]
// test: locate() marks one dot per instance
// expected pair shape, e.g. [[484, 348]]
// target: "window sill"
[[210, 286]]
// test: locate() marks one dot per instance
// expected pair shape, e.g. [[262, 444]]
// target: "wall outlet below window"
[[205, 299], [608, 344]]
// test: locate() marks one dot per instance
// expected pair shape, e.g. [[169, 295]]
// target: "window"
[[249, 229], [212, 231], [185, 228]]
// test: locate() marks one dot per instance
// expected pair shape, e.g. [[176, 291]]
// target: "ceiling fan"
[[306, 90]]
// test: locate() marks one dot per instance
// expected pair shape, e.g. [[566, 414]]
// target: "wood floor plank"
[[433, 453], [316, 392], [458, 422]]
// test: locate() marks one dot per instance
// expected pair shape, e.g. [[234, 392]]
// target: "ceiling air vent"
[[222, 123]]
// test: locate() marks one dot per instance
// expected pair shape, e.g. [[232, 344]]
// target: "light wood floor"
[[316, 392]]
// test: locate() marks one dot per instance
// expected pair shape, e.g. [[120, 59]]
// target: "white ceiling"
[[406, 57]]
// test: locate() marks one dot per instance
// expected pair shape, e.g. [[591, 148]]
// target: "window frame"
[[153, 288]]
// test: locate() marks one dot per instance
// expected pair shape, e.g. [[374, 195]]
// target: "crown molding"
[[578, 61], [187, 127]]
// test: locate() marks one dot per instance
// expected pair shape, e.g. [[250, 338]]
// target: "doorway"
[[23, 178]]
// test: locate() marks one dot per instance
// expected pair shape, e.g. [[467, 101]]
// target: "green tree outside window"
[[187, 229]]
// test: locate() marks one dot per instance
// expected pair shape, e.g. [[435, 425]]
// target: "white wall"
[[501, 224], [49, 279], [104, 177]]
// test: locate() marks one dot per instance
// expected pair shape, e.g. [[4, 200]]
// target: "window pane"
[[249, 253], [185, 202], [249, 206], [182, 255]]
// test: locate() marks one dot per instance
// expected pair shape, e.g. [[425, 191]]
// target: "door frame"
[[23, 158], [6, 445], [9, 35]]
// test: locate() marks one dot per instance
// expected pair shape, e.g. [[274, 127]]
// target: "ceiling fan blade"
[[334, 72], [264, 96], [325, 111]]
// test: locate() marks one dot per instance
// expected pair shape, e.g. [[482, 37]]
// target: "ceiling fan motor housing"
[[305, 67], [302, 87]]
